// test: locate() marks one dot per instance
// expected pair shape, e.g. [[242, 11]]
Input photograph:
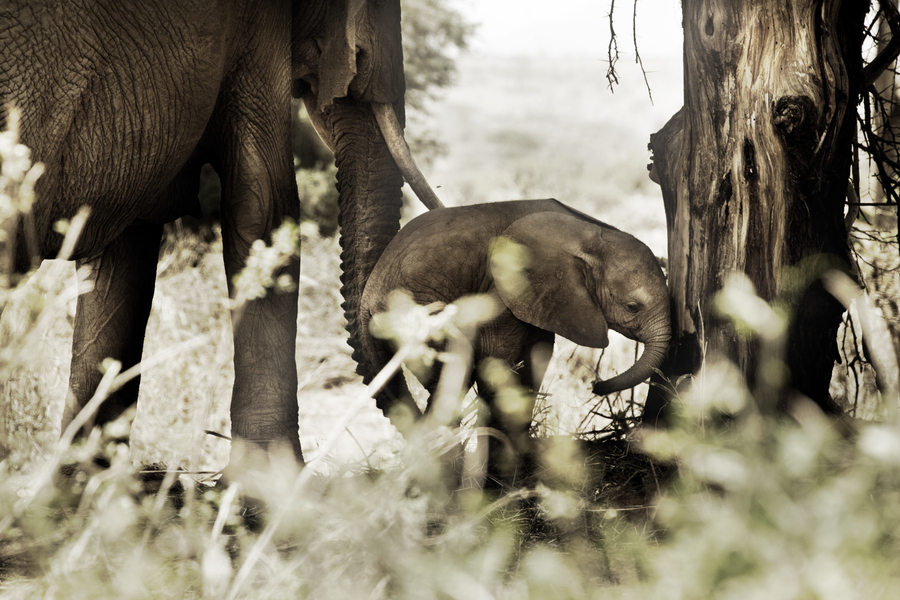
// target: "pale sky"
[[573, 27]]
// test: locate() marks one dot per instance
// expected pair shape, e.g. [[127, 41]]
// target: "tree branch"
[[891, 51], [637, 55]]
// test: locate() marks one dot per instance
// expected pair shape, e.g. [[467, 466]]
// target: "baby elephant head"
[[583, 279]]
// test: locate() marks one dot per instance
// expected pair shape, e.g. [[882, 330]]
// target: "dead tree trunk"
[[754, 171]]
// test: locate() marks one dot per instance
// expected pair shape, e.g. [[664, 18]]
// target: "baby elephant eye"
[[633, 307]]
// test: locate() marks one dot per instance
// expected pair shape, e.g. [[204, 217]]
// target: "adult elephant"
[[125, 100]]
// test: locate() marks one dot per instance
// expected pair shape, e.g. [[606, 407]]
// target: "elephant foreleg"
[[509, 402], [111, 318], [264, 410], [506, 419], [259, 192]]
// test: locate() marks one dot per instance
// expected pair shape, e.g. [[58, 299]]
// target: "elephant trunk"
[[369, 201], [654, 352]]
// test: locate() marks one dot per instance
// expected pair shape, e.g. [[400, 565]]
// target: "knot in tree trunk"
[[795, 116]]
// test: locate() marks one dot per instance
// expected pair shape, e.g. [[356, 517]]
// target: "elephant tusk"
[[399, 149], [318, 120]]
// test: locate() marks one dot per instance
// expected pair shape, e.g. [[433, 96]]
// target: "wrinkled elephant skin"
[[582, 276], [125, 100]]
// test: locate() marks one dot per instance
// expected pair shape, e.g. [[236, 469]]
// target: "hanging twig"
[[612, 51], [637, 55]]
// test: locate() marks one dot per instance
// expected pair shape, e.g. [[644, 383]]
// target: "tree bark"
[[754, 172]]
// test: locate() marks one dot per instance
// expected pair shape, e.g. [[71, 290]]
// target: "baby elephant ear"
[[543, 266]]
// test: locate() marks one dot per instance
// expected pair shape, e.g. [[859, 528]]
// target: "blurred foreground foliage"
[[779, 509], [760, 507]]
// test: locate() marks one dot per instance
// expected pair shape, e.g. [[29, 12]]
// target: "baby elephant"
[[581, 277]]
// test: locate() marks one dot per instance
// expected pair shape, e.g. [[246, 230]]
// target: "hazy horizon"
[[575, 28]]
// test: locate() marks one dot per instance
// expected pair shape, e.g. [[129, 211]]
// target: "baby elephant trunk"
[[654, 352]]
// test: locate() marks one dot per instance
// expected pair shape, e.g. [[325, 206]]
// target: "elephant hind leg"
[[111, 318]]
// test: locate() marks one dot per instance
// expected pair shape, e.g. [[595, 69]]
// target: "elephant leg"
[[111, 318], [264, 409], [507, 413], [259, 192]]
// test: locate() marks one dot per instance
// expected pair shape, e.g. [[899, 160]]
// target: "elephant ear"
[[552, 283], [361, 52]]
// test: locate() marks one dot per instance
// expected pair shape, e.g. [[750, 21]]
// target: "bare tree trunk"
[[754, 172]]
